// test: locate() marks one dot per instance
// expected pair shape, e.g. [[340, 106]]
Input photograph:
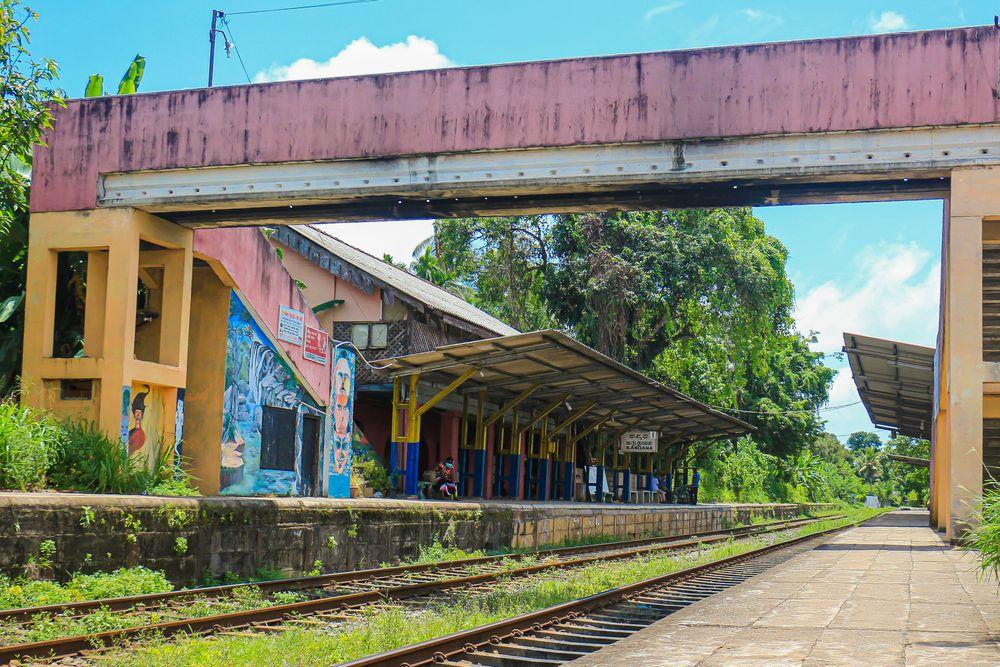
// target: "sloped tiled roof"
[[404, 282]]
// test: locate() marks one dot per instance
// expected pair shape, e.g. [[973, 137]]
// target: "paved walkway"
[[891, 592]]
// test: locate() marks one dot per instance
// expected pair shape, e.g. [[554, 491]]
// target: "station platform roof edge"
[[552, 367]]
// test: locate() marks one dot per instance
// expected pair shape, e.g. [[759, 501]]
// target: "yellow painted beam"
[[593, 427], [572, 417], [510, 405], [441, 395], [543, 414]]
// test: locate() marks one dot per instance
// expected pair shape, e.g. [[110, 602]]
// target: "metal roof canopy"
[[895, 382], [564, 367]]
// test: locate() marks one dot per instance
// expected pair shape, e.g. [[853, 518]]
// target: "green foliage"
[[25, 113], [699, 299], [16, 593], [128, 85], [504, 261], [868, 463], [180, 546], [862, 440], [370, 471], [90, 461], [28, 446], [984, 539], [87, 460], [738, 474], [437, 551]]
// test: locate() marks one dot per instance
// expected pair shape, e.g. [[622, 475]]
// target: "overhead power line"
[[236, 46], [291, 9]]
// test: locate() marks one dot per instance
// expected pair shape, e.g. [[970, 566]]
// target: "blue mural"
[[256, 376], [342, 423]]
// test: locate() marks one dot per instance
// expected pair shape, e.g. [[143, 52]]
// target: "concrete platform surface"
[[890, 592]]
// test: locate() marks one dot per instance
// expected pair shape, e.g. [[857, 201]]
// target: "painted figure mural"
[[152, 417], [136, 435], [256, 377], [342, 437]]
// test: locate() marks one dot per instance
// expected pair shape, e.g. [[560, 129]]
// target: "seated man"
[[656, 489], [444, 480]]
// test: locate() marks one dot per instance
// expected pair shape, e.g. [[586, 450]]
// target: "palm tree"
[[868, 463]]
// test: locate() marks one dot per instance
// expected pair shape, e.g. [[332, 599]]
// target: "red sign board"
[[315, 346]]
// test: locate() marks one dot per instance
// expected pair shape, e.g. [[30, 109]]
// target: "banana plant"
[[129, 85]]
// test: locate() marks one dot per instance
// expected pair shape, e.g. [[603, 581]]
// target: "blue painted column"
[[479, 477], [411, 479]]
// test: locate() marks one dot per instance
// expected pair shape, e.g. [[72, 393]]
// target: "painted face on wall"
[[342, 415], [342, 398]]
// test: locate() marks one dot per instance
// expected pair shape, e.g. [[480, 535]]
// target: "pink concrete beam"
[[943, 77]]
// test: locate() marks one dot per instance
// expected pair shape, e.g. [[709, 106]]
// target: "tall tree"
[[25, 113], [504, 261], [699, 299], [863, 439]]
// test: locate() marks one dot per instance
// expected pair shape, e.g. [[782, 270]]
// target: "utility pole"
[[211, 45]]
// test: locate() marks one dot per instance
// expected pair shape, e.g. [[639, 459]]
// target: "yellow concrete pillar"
[[975, 196], [113, 240]]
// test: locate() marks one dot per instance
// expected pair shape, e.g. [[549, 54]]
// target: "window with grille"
[[277, 439]]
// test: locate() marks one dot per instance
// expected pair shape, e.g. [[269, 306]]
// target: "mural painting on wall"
[[256, 376], [342, 437], [149, 420]]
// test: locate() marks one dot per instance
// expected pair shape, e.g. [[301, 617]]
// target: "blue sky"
[[871, 268]]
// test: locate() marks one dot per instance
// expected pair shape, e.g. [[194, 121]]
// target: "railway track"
[[563, 633], [329, 599]]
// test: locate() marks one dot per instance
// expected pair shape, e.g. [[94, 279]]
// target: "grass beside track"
[[386, 629]]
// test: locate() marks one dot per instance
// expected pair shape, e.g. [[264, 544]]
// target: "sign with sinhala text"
[[642, 442], [291, 325], [315, 345]]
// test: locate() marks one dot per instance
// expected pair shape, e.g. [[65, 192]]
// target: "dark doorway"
[[311, 426]]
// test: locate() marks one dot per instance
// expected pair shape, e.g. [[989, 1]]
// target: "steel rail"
[[450, 647], [322, 580], [65, 646]]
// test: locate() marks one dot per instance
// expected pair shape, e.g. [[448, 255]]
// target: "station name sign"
[[643, 442]]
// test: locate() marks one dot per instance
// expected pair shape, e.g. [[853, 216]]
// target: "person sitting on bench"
[[444, 480]]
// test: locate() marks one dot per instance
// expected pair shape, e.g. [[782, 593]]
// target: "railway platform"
[[890, 592]]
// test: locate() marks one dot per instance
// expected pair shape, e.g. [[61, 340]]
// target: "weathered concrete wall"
[[250, 263], [941, 77], [241, 535]]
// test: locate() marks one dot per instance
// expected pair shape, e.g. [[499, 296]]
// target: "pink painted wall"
[[259, 275], [942, 77]]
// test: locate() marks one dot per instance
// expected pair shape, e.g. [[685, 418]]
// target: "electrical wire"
[[291, 9], [232, 35], [348, 343], [786, 412]]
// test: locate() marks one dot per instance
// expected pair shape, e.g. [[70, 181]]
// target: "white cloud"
[[363, 57], [395, 237], [893, 294], [661, 9], [843, 390], [888, 21], [762, 18]]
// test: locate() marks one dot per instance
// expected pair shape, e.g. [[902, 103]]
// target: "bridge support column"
[[120, 280], [975, 198]]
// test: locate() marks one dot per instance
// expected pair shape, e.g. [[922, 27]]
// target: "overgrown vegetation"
[[38, 452], [24, 592], [385, 629], [984, 539]]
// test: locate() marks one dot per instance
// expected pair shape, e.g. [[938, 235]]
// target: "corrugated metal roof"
[[895, 382], [417, 288], [566, 370]]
